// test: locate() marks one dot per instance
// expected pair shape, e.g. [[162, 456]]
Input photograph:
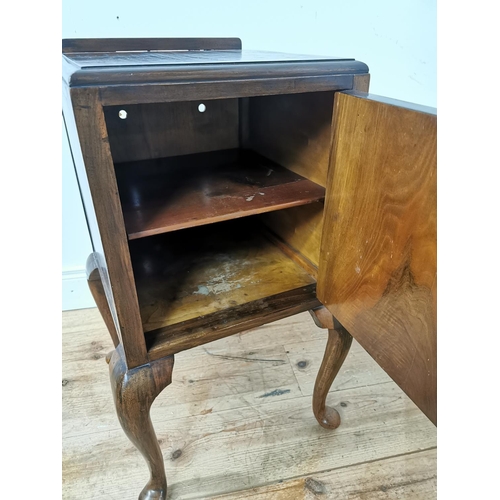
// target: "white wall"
[[76, 240], [396, 38]]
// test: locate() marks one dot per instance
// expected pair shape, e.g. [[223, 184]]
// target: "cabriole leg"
[[339, 342], [134, 392]]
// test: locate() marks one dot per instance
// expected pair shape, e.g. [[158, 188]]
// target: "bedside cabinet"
[[225, 189]]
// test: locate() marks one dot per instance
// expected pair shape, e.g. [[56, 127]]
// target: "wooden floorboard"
[[237, 421], [411, 477]]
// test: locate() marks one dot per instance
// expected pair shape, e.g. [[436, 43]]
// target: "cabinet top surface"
[[104, 62], [87, 60]]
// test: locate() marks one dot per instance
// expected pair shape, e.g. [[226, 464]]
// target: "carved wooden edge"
[[97, 290], [337, 347], [72, 45], [134, 391]]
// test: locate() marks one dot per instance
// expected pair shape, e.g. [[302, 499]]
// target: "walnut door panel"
[[377, 272]]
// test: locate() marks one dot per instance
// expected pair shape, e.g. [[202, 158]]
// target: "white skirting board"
[[75, 291]]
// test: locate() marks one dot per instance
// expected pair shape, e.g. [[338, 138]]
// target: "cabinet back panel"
[[170, 129]]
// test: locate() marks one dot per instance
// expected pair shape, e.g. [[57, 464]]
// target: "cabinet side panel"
[[96, 173], [171, 129], [377, 272], [300, 229], [294, 130], [88, 205]]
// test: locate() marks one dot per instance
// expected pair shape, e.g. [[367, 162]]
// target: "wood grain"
[[198, 331], [235, 417], [99, 174], [86, 69], [412, 477], [377, 272], [181, 192], [71, 45], [88, 204], [294, 131], [299, 229], [196, 272], [134, 391], [165, 76], [225, 83], [339, 343], [171, 129], [139, 58]]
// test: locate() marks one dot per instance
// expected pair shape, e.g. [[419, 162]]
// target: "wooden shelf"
[[168, 194], [209, 276]]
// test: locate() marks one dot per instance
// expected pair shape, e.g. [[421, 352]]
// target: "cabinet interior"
[[222, 203]]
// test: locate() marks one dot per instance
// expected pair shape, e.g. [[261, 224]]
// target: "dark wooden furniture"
[[225, 189]]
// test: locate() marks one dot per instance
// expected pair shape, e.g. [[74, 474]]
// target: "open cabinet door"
[[377, 272]]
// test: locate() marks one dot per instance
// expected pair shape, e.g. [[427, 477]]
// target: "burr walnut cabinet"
[[225, 189]]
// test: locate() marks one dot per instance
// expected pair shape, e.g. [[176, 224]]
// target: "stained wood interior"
[[295, 131], [170, 129], [164, 195], [197, 272], [300, 230], [197, 277]]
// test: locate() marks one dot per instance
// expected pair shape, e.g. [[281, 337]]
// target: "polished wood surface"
[[377, 272], [71, 45], [166, 76], [193, 273], [99, 79], [115, 264], [302, 126], [242, 405], [176, 193], [225, 82], [294, 131], [98, 254], [170, 129], [299, 229], [134, 391], [133, 67], [138, 58], [337, 348]]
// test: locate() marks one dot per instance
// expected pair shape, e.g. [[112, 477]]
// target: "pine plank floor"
[[237, 422]]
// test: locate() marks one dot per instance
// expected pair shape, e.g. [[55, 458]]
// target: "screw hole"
[[122, 114], [202, 108]]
